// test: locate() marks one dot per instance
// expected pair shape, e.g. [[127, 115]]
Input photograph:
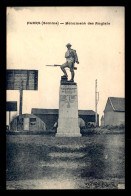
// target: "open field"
[[45, 162]]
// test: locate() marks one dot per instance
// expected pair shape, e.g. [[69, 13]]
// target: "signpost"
[[28, 79], [21, 80], [11, 106]]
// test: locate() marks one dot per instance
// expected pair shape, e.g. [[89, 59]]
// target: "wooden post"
[[9, 119], [21, 98], [96, 102]]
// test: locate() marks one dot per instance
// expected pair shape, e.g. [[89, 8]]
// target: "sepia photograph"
[[65, 98]]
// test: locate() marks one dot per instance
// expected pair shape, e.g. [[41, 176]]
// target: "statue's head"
[[68, 45]]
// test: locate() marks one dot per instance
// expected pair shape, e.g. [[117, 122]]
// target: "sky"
[[100, 50]]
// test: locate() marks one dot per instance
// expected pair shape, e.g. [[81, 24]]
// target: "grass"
[[80, 162]]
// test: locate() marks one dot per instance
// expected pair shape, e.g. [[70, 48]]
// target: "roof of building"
[[55, 111], [44, 111], [26, 116], [117, 103], [86, 112]]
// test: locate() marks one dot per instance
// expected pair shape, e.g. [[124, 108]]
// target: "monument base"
[[68, 110], [68, 127]]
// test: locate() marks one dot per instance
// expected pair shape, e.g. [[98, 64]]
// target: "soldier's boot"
[[72, 76], [64, 71]]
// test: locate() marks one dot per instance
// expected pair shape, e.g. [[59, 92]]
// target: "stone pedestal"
[[68, 110]]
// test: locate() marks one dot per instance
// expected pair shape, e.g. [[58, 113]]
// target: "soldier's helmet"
[[68, 44]]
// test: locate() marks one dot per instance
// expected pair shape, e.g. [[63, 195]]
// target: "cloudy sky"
[[100, 50]]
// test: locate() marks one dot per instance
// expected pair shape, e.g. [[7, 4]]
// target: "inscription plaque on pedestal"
[[68, 111]]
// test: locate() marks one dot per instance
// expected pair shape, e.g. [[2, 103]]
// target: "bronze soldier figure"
[[71, 58]]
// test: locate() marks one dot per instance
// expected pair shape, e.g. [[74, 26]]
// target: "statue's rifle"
[[75, 68]]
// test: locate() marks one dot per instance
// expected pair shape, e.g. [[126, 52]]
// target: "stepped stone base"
[[68, 111], [68, 135]]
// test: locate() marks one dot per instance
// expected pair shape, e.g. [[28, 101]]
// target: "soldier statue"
[[71, 58]]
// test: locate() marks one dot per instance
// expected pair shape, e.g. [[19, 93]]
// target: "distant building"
[[81, 123], [114, 113], [27, 122], [50, 116]]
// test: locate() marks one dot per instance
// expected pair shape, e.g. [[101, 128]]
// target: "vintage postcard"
[[65, 103]]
